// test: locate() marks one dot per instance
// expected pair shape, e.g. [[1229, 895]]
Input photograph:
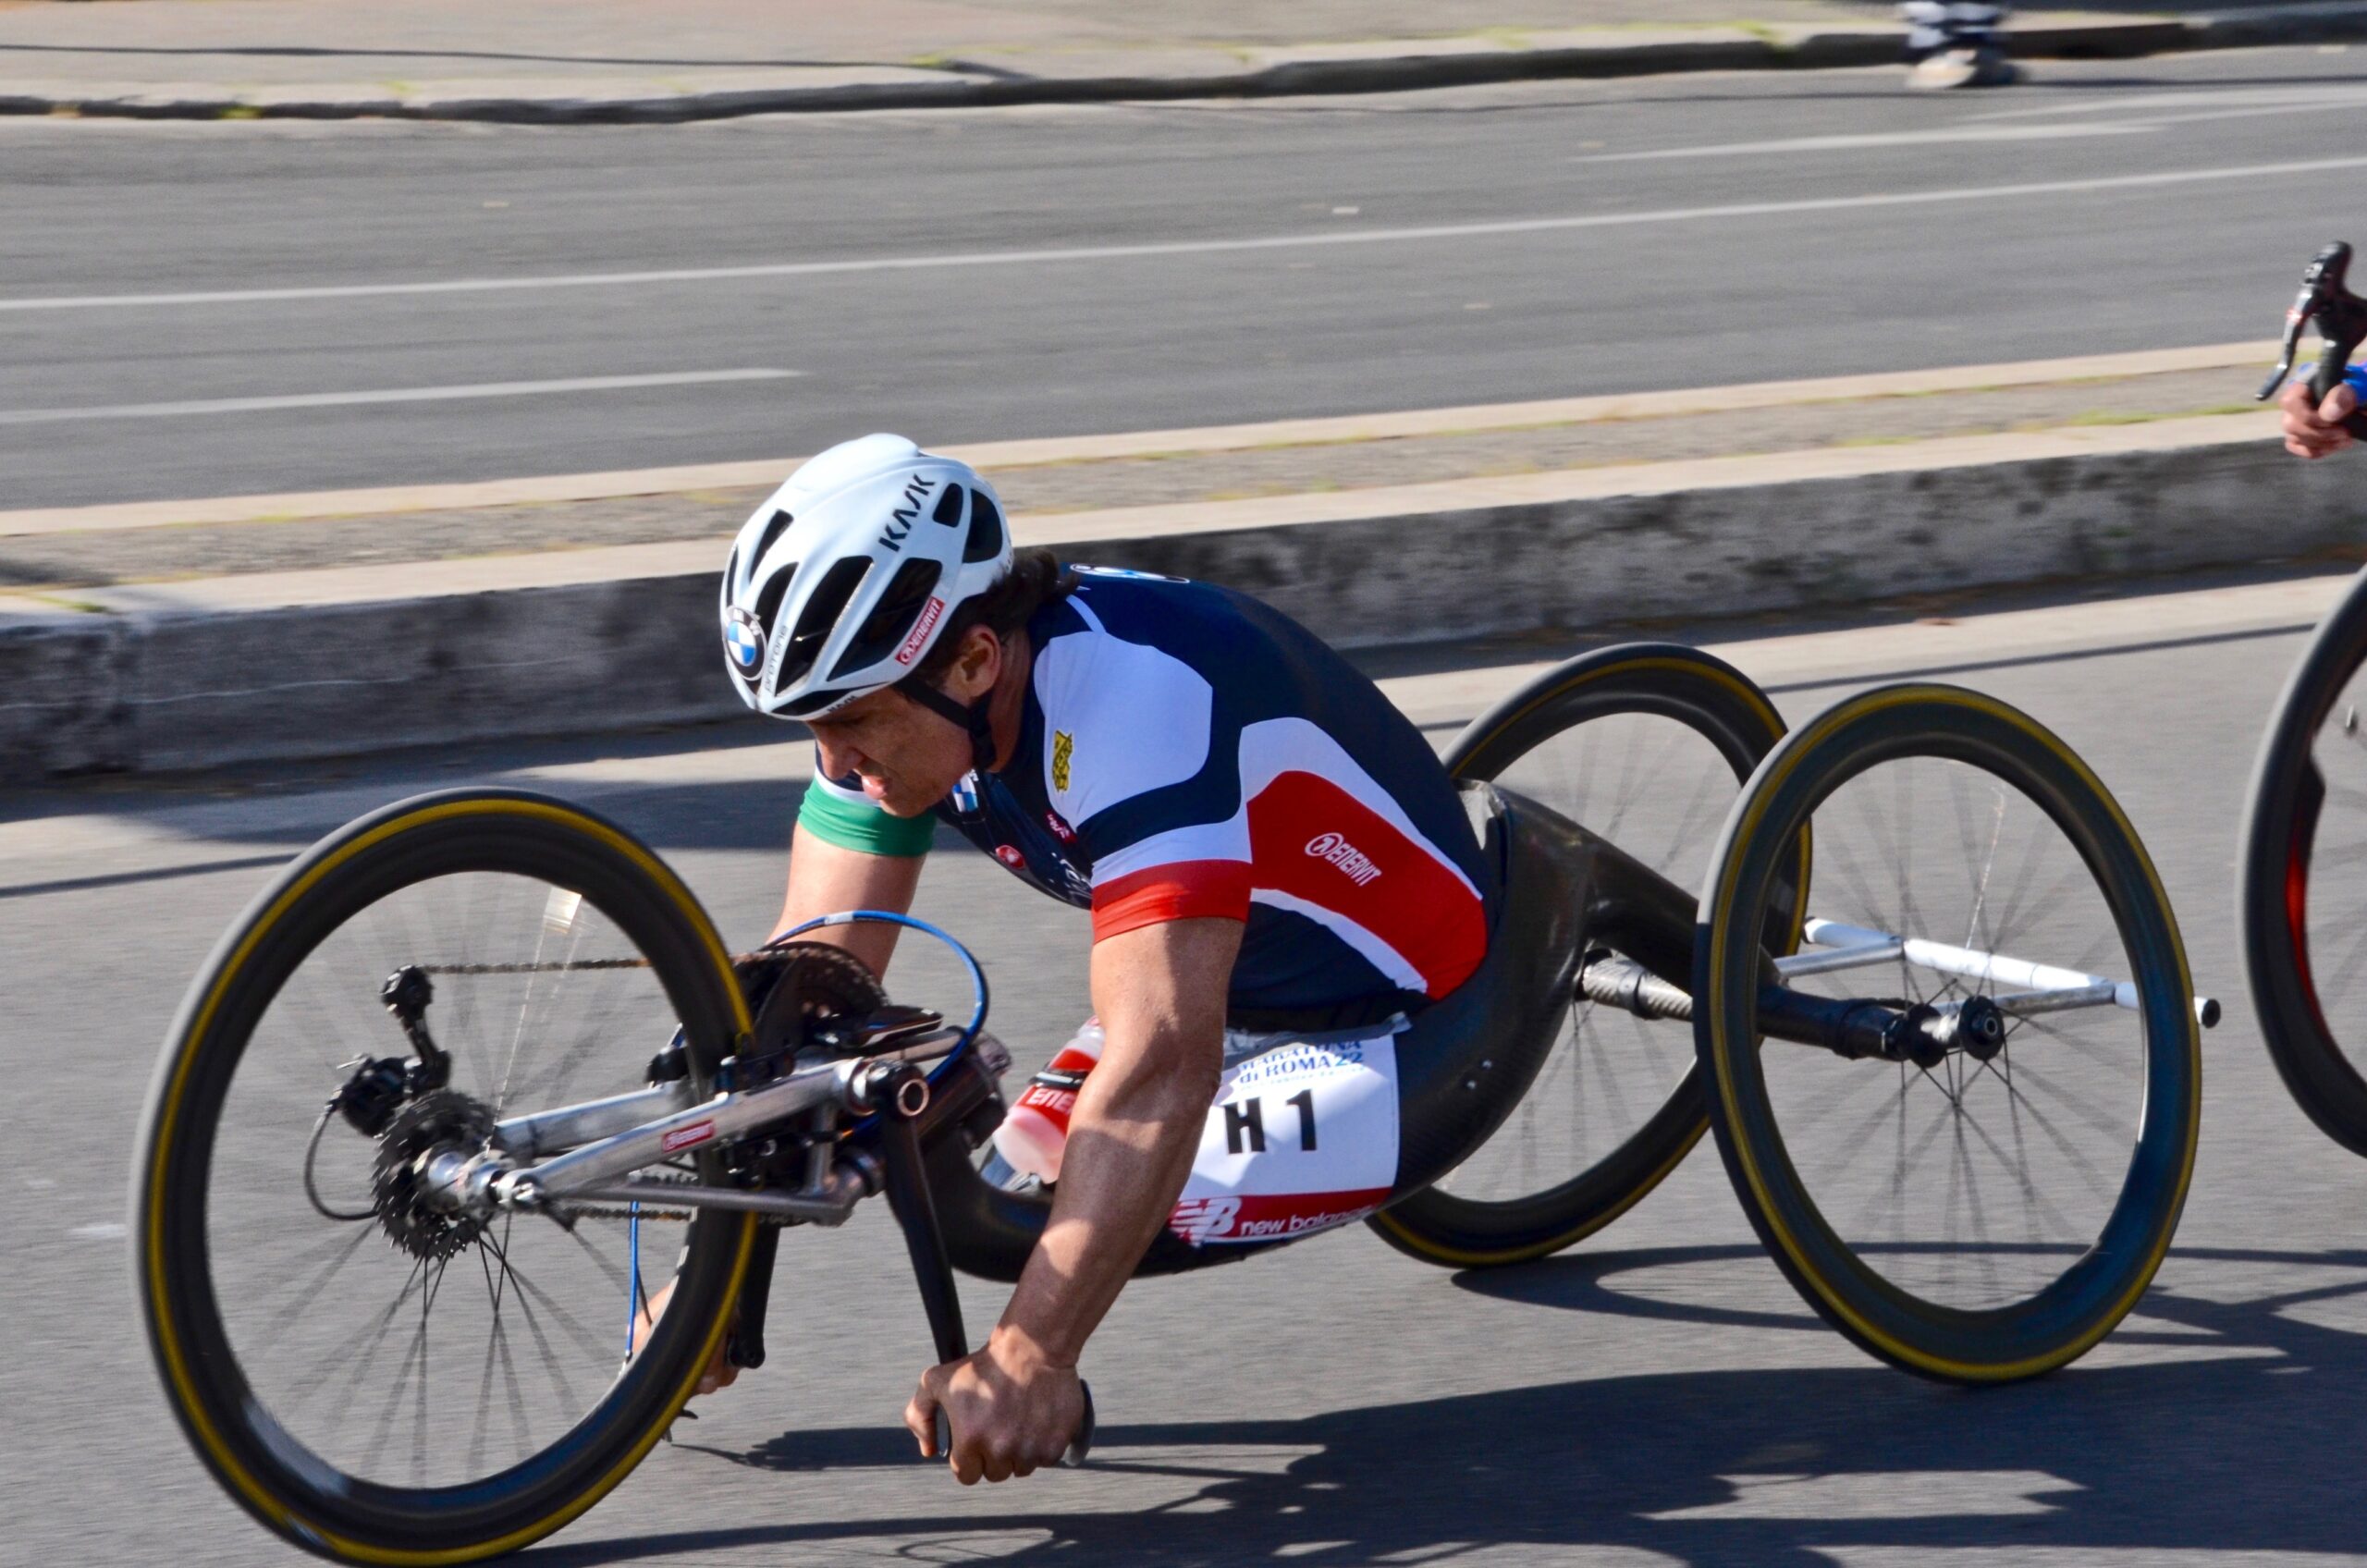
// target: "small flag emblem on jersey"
[[1063, 747]]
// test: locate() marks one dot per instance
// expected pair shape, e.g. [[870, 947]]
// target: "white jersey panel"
[[1120, 718]]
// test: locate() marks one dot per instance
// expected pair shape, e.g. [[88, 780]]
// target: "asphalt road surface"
[[1658, 1396], [228, 309]]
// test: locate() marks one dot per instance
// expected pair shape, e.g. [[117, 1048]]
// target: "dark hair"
[[1035, 579]]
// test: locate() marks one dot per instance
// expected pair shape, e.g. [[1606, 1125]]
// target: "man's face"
[[907, 757]]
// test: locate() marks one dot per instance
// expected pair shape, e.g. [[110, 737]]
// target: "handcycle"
[[372, 1315], [2302, 945]]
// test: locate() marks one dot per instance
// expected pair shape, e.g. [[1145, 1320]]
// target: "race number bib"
[[1301, 1138]]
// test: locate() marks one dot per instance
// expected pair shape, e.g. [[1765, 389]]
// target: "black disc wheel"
[[1987, 1199], [2301, 889], [374, 1377], [1646, 746]]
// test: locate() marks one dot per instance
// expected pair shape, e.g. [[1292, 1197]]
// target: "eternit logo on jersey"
[[1346, 856]]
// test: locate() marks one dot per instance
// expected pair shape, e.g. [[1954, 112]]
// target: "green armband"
[[859, 825]]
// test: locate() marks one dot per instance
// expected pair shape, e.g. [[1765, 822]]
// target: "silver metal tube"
[[1973, 964], [1831, 958], [722, 1117], [571, 1126], [845, 1189]]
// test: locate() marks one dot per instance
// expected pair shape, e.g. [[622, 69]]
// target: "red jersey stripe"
[[1188, 890], [1314, 840]]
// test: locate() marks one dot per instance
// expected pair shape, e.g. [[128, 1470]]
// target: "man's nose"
[[838, 759]]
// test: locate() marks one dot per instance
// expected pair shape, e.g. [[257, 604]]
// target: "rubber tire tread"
[[2317, 1072], [403, 844], [1722, 704], [2082, 1305]]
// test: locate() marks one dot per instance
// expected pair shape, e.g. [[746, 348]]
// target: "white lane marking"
[[105, 1233], [1201, 247], [401, 395], [1972, 133]]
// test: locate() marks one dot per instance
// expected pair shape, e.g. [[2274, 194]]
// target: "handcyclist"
[[1264, 843], [2313, 429]]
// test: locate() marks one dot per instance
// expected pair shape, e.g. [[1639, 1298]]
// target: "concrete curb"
[[164, 689], [2317, 22]]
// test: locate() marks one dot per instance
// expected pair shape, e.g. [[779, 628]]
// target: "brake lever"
[[2340, 317]]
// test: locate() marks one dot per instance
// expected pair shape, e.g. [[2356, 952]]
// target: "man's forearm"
[[1131, 1138]]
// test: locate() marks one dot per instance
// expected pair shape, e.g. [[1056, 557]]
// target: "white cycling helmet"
[[844, 580]]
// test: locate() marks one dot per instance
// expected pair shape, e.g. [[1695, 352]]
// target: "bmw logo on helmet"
[[743, 642]]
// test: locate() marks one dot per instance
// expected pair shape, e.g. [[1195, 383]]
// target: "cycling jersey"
[[1186, 751]]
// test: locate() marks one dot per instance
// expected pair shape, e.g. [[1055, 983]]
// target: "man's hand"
[[720, 1373], [1013, 1409], [2316, 431]]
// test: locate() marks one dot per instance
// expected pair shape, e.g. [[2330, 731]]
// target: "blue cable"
[[888, 917], [633, 1277]]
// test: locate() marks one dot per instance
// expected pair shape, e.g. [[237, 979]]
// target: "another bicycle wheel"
[[373, 1377], [1646, 746], [1984, 1198], [2300, 894]]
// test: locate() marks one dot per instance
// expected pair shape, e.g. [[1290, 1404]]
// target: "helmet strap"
[[976, 719]]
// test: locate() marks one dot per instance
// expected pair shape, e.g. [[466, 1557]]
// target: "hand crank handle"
[[1073, 1458]]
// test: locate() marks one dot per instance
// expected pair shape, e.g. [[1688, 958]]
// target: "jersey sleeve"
[[1136, 759], [852, 820]]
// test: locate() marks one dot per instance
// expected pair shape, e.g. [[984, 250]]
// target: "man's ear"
[[977, 665]]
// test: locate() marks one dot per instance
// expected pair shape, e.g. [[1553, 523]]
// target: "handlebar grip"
[[1082, 1444], [1072, 1458], [2332, 368]]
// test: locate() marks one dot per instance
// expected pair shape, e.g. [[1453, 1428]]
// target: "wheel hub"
[[443, 1121]]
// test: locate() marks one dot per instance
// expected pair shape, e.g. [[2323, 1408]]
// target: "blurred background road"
[[199, 310]]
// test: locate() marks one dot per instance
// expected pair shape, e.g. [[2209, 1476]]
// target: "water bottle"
[[1035, 1130]]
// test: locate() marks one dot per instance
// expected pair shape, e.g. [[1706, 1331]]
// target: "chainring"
[[441, 1118], [797, 989]]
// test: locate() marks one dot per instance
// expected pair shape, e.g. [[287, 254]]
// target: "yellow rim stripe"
[[1849, 712], [175, 1367]]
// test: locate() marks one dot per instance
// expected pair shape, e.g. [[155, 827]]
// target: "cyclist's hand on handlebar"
[[1011, 1409], [2316, 431]]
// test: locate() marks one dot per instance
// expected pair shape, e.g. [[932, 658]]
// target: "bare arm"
[[824, 878], [1159, 991]]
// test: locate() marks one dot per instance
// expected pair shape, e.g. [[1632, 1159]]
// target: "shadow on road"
[[1729, 1466]]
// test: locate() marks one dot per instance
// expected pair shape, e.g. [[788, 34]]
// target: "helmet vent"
[[900, 608], [769, 598], [986, 530], [819, 618], [773, 530], [949, 506]]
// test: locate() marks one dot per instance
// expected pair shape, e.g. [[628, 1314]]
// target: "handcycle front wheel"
[[1645, 744], [375, 1379], [2304, 843], [1989, 1206]]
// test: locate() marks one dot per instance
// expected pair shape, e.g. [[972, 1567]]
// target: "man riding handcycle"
[[1333, 977]]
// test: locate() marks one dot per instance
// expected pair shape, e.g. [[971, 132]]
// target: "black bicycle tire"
[[2272, 882], [1722, 704], [345, 1518], [2061, 1322]]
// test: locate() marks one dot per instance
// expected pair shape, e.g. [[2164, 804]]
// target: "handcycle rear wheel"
[[1668, 733], [2298, 875], [1977, 1217], [241, 1272]]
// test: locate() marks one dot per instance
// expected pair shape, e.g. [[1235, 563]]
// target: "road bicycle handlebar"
[[2341, 320]]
